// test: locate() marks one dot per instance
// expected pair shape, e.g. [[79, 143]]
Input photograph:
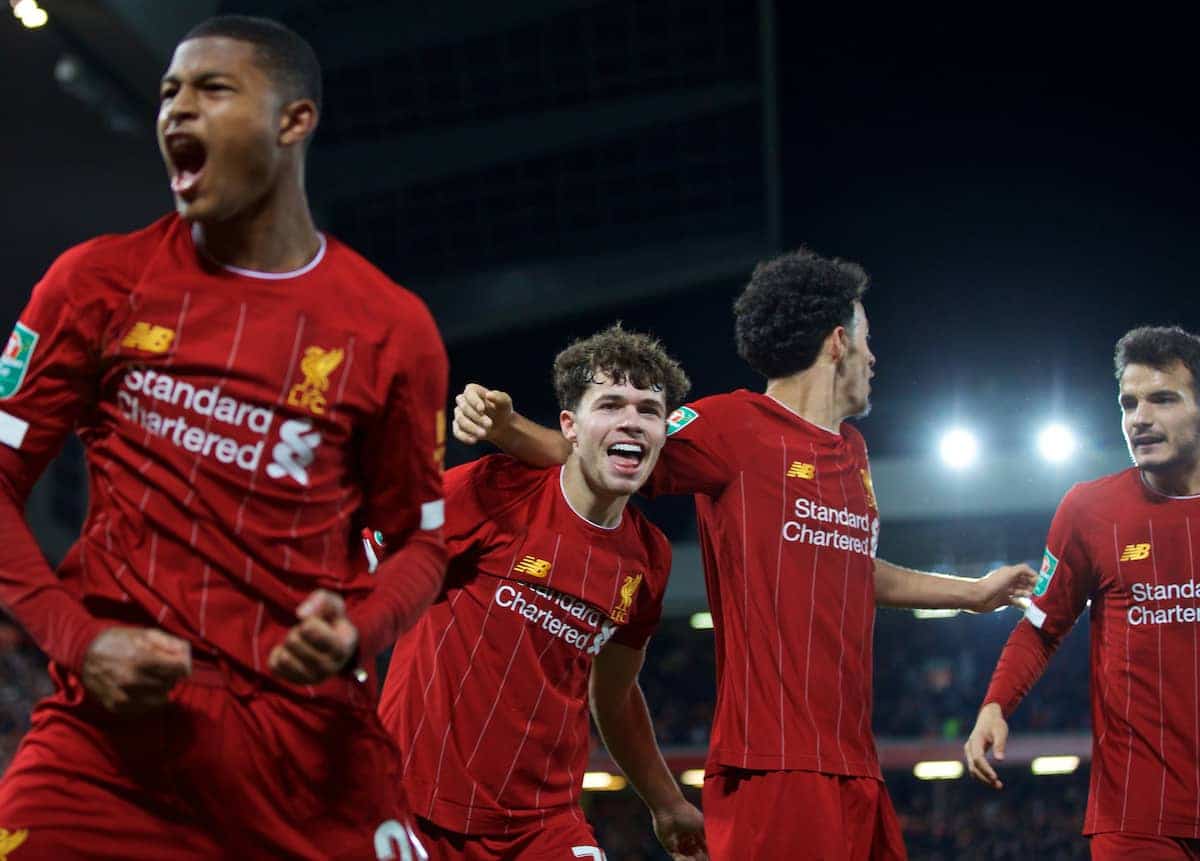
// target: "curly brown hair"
[[790, 306], [624, 356]]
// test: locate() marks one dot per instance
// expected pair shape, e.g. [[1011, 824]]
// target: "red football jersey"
[[1131, 552], [488, 694], [240, 429], [788, 530]]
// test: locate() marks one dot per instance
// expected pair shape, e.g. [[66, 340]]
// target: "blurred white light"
[[692, 777], [35, 18], [1054, 764], [23, 7], [959, 448], [935, 614], [1056, 443], [950, 769], [602, 781], [702, 621]]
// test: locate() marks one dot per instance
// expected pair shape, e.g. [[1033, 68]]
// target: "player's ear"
[[566, 421], [837, 344], [297, 121]]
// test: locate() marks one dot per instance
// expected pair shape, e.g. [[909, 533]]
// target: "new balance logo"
[[533, 566], [149, 338], [799, 469], [1135, 552], [295, 451]]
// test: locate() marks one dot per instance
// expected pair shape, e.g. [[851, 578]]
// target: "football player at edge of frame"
[[246, 407], [1124, 547]]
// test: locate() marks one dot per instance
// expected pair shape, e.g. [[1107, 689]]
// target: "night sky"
[[1022, 193]]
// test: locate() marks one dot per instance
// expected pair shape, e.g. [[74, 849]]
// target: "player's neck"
[[603, 510], [1182, 482], [276, 236], [812, 394]]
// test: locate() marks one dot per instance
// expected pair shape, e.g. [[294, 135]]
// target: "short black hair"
[[790, 306], [621, 355], [1158, 347], [287, 58]]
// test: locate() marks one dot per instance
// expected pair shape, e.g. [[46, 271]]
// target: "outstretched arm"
[[482, 414], [620, 712], [905, 587], [1021, 664]]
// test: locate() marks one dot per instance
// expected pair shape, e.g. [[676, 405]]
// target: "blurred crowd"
[[930, 678], [23, 681]]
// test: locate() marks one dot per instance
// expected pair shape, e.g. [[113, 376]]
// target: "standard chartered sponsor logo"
[[512, 597], [142, 393], [295, 450], [812, 521], [1142, 593]]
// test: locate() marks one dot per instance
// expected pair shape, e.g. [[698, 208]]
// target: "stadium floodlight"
[[692, 777], [602, 781], [702, 621], [1054, 764], [945, 769], [1056, 443], [29, 13], [959, 448]]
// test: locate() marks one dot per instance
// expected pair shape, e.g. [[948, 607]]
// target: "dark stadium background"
[[1022, 188]]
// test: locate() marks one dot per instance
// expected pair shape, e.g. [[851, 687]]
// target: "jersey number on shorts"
[[396, 842]]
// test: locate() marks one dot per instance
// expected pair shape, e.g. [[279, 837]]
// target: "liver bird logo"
[[10, 840], [620, 613], [317, 365]]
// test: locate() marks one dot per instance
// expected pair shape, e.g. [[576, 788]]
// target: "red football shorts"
[[218, 773], [1120, 845], [798, 815], [563, 838]]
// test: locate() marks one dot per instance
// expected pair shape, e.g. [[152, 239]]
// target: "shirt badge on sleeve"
[[680, 419], [15, 361], [1049, 566]]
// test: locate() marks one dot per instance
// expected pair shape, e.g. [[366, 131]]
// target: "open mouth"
[[626, 456], [1147, 439], [188, 156]]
